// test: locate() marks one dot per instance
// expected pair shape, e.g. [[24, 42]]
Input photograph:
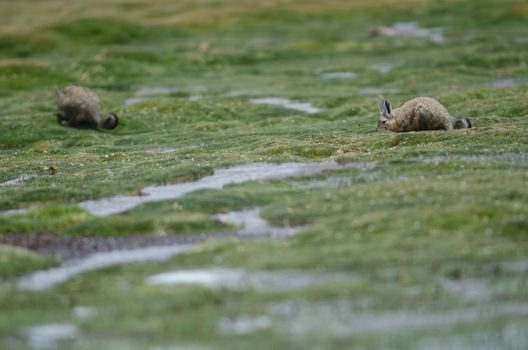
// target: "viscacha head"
[[385, 114], [110, 122]]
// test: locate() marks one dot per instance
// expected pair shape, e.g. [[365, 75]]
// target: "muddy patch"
[[49, 336], [72, 248], [286, 103], [410, 30], [221, 178]]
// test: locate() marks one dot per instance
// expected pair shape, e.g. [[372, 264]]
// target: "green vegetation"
[[431, 228], [16, 261]]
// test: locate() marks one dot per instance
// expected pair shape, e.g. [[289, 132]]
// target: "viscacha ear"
[[58, 92], [388, 107], [385, 107]]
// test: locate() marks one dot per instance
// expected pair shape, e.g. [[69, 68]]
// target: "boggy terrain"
[[404, 241]]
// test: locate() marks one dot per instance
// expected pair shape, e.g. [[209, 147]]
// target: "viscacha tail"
[[461, 122], [110, 122]]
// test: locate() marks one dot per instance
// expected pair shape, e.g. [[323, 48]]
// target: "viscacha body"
[[77, 106], [419, 114]]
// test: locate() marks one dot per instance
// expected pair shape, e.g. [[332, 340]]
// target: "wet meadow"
[[246, 199]]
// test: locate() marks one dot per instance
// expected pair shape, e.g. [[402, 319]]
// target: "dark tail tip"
[[110, 122], [462, 122]]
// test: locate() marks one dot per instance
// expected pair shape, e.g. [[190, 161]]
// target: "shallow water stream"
[[222, 177], [83, 254]]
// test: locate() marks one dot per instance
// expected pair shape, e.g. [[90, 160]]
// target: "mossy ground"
[[427, 212]]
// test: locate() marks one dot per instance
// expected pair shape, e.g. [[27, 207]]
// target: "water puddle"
[[41, 280], [17, 181], [286, 103], [239, 93], [483, 158], [48, 336], [241, 325], [410, 30], [145, 92], [383, 68], [162, 150], [250, 223], [222, 177], [83, 254], [84, 312], [339, 75], [13, 212], [212, 278], [506, 83], [340, 320], [372, 90], [74, 247], [522, 40], [133, 100], [515, 266], [195, 98], [239, 279], [502, 336], [469, 289], [155, 91], [343, 182], [175, 347]]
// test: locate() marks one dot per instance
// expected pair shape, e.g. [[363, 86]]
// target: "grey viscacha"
[[419, 114], [77, 106]]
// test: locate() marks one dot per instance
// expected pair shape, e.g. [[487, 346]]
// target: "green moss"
[[437, 209], [111, 226], [104, 31], [16, 261], [44, 219]]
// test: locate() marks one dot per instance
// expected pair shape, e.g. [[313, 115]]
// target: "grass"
[[16, 261], [436, 207]]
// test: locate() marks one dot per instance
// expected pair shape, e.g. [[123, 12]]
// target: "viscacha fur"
[[77, 106], [419, 114]]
